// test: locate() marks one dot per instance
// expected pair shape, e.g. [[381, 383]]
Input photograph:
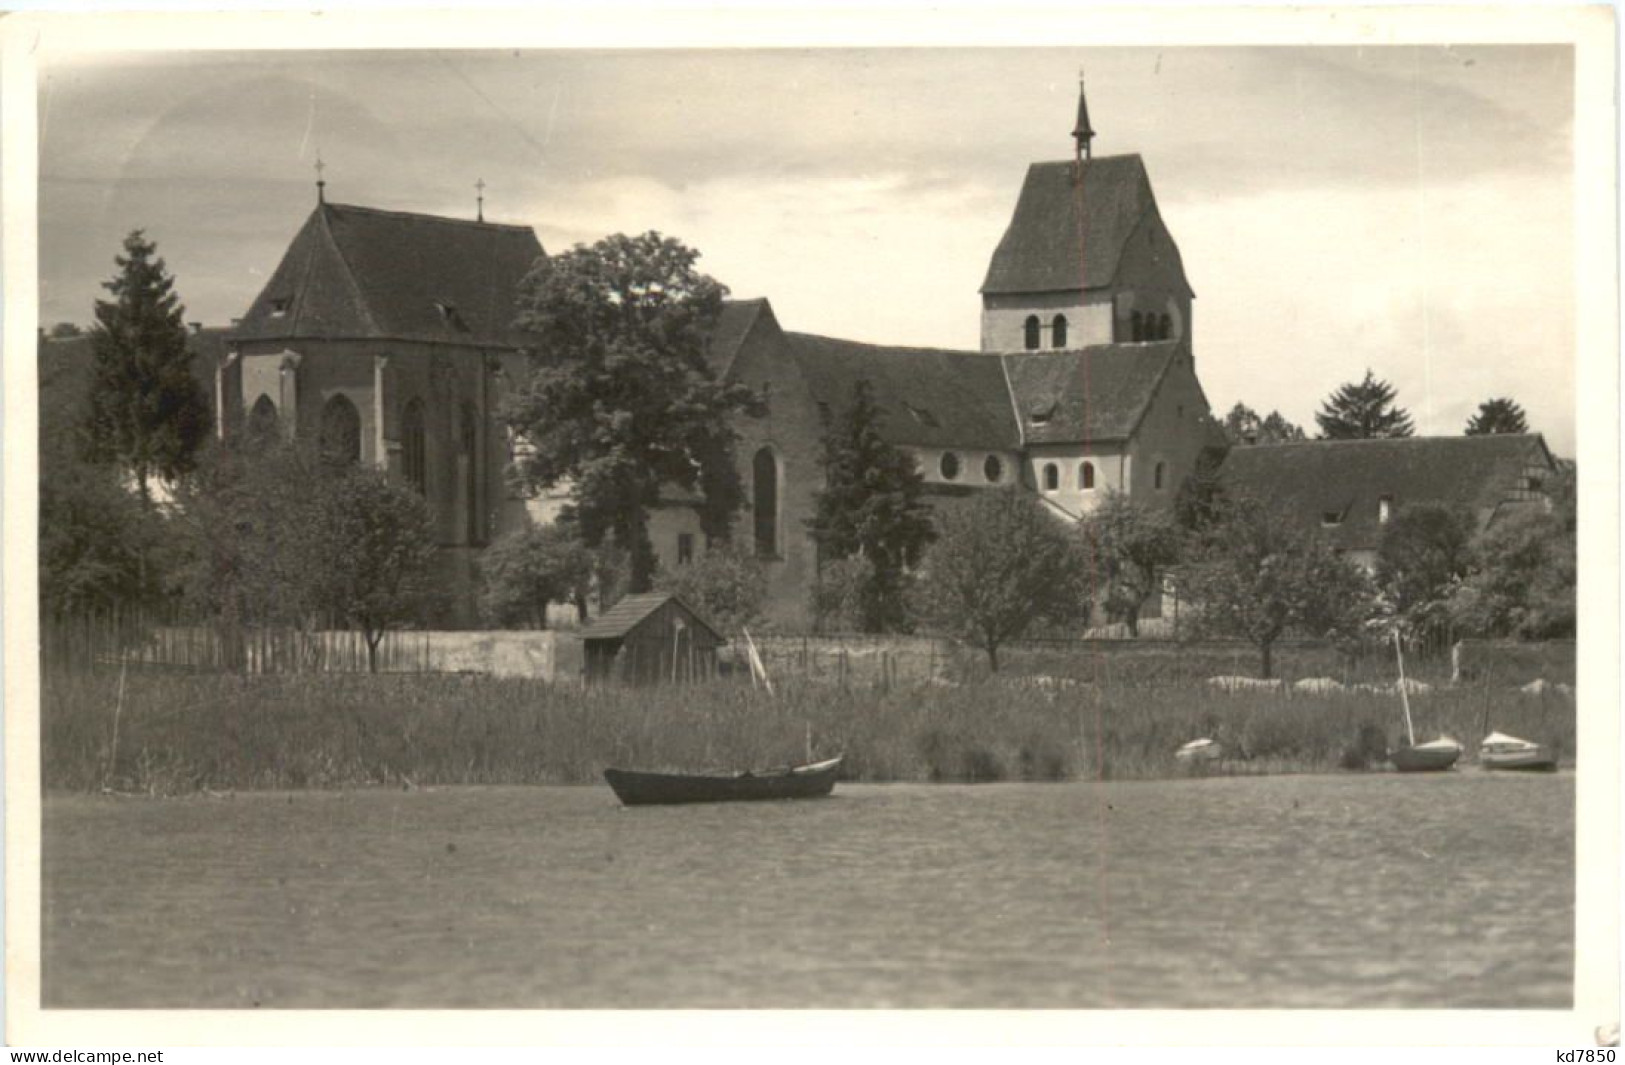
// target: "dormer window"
[[1041, 415], [451, 316], [1331, 517], [923, 416], [280, 305]]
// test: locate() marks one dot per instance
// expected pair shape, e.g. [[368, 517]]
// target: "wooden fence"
[[137, 640]]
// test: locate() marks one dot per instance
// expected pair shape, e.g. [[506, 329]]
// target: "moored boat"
[[1500, 751], [1430, 757], [809, 781]]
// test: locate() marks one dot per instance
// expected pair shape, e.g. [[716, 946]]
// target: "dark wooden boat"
[[810, 781], [1432, 757]]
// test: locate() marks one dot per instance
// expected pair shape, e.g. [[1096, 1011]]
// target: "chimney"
[[196, 327]]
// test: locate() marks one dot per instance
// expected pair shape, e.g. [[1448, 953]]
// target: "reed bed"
[[173, 733]]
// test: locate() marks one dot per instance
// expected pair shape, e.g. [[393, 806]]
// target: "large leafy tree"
[[1363, 411], [1498, 415], [532, 567], [1424, 552], [871, 506], [147, 413], [998, 565], [727, 586], [1128, 548], [279, 535], [1257, 575], [1521, 579], [620, 401], [1243, 427]]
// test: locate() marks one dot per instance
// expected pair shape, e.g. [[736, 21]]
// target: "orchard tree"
[[1424, 552], [1498, 415], [1243, 427], [998, 565], [620, 400], [871, 506], [727, 586], [1128, 548], [1363, 411], [1258, 576], [530, 568], [148, 414]]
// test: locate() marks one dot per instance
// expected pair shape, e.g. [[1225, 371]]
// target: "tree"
[[727, 586], [279, 535], [871, 505], [1199, 494], [1521, 579], [1498, 415], [530, 568], [1243, 427], [620, 400], [1259, 576], [1363, 411], [65, 331], [1128, 548], [1424, 552], [998, 565], [148, 414]]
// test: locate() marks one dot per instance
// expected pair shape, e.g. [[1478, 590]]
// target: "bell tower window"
[[1058, 332], [1029, 338]]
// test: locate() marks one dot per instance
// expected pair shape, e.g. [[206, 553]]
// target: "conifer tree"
[[147, 412], [871, 506], [1498, 415], [1363, 411]]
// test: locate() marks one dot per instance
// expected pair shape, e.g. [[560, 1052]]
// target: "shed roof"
[[358, 272], [1063, 238], [1092, 394], [1348, 477], [924, 396], [634, 610]]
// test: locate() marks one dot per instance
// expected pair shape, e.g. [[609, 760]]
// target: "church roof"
[[1060, 240], [358, 272], [925, 397], [727, 338], [1347, 478], [1091, 394]]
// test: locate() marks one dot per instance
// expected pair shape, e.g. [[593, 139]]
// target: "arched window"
[[1165, 328], [1086, 476], [262, 419], [993, 469], [1030, 340], [765, 502], [1052, 477], [1058, 332], [949, 466], [414, 456], [1137, 330], [341, 431], [1158, 475], [468, 435]]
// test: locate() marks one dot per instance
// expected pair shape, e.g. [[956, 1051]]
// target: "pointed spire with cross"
[[479, 189], [1082, 132], [321, 185]]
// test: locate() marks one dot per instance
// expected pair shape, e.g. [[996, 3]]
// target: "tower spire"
[[479, 196], [321, 185], [1082, 132]]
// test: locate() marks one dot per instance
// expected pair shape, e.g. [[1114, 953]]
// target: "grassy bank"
[[182, 732]]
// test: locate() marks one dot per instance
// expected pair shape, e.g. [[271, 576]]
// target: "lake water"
[[1379, 890]]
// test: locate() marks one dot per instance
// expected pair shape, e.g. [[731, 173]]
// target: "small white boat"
[[1203, 750], [1500, 751]]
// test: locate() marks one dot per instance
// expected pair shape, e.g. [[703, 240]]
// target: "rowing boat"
[[809, 781]]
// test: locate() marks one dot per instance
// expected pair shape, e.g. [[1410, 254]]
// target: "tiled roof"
[[738, 318], [357, 272], [631, 611], [1347, 478], [1061, 240], [1092, 394], [924, 396]]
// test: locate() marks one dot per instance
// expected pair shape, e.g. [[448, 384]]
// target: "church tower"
[[1086, 259]]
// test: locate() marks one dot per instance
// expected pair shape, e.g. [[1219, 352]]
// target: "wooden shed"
[[650, 638]]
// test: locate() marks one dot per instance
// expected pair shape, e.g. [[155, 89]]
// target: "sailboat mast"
[[1404, 696]]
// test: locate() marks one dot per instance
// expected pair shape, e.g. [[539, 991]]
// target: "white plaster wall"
[[971, 466], [1004, 320], [1114, 470]]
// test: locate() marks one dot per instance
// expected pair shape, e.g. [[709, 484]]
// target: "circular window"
[[993, 469], [949, 465]]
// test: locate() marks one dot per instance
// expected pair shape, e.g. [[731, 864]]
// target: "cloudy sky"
[[1406, 209]]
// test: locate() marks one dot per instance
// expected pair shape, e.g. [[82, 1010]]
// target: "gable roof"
[[1063, 239], [357, 272], [1348, 477], [632, 610], [926, 397], [735, 323], [1091, 394]]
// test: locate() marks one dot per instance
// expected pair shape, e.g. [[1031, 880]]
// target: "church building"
[[388, 337]]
